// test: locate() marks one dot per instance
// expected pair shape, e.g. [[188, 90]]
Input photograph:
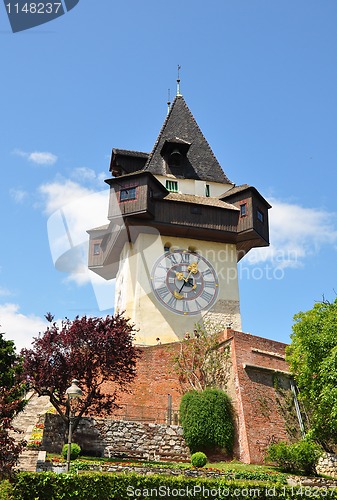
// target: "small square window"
[[172, 186], [128, 194], [260, 216], [243, 210], [97, 248]]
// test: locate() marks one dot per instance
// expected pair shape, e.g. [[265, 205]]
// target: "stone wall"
[[54, 433], [117, 438], [327, 465]]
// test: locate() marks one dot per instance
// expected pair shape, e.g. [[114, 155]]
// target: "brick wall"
[[257, 382], [156, 379], [260, 391]]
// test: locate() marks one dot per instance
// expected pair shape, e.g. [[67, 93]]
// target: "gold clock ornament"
[[184, 282]]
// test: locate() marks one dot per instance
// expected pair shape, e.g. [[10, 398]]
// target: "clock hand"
[[180, 276], [193, 269]]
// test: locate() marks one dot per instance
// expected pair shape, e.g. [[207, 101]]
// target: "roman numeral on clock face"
[[206, 296], [185, 258], [210, 284], [172, 302], [173, 258], [186, 307], [163, 292]]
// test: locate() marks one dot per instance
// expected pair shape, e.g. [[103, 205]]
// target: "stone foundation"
[[327, 465], [223, 313], [117, 438]]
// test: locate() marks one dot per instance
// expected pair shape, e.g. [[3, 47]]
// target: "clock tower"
[[177, 229]]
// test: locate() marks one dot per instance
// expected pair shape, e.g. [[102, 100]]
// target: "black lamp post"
[[74, 394]]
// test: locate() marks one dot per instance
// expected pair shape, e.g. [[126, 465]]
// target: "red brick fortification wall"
[[258, 386], [156, 379], [257, 382]]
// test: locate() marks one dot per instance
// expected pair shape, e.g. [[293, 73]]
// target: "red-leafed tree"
[[92, 350]]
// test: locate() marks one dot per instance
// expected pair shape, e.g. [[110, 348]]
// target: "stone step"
[[27, 461], [24, 422], [35, 408]]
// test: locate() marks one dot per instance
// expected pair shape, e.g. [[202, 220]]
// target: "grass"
[[234, 469], [233, 466], [239, 466]]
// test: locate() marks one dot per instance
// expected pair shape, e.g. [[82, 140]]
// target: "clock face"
[[184, 282]]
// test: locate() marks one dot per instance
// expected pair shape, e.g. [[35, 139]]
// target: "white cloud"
[[84, 173], [18, 195], [73, 209], [89, 176], [4, 292], [38, 157], [20, 327], [101, 177], [42, 158], [104, 290], [59, 194], [296, 233]]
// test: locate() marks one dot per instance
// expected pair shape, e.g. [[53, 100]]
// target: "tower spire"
[[178, 81]]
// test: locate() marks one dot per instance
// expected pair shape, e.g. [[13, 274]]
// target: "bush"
[[5, 489], [75, 450], [207, 421], [298, 457], [198, 459], [98, 486]]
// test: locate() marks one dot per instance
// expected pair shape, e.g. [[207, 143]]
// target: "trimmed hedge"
[[207, 420], [91, 486]]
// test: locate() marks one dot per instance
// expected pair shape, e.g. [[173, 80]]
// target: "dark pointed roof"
[[180, 127]]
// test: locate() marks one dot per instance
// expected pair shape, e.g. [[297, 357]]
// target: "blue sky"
[[260, 77]]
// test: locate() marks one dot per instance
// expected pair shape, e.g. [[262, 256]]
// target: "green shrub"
[[75, 450], [97, 486], [298, 457], [5, 489], [198, 459], [207, 421]]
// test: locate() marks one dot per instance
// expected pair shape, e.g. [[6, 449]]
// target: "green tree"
[[312, 356], [11, 378], [11, 402], [207, 420]]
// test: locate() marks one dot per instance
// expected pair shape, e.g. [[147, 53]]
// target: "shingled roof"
[[200, 200], [180, 126]]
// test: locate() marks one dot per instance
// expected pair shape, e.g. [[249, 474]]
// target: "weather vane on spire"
[[178, 81]]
